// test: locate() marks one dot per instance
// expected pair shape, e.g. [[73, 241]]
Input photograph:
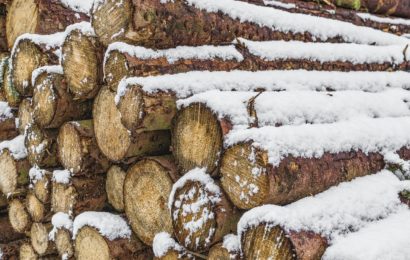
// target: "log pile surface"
[[204, 129]]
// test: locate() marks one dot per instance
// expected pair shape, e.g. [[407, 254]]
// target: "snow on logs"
[[304, 229], [61, 234], [205, 22], [41, 146], [40, 17], [101, 235], [201, 213], [25, 115], [52, 103]]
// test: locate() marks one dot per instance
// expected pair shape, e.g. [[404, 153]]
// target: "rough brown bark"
[[53, 105], [293, 179], [27, 57], [146, 208], [18, 216], [78, 150], [82, 63], [41, 146], [153, 24], [90, 244], [39, 16], [212, 230], [8, 234], [25, 115], [399, 8], [8, 129], [15, 173], [115, 141], [81, 194], [3, 19], [40, 240], [11, 250], [11, 94]]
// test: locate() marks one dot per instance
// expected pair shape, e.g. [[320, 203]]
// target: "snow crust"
[[189, 83], [163, 242], [342, 209], [16, 147], [232, 243], [320, 28], [384, 135], [327, 52], [60, 220], [279, 4], [82, 6], [299, 107], [57, 69], [375, 18], [384, 239], [5, 111], [36, 174], [109, 225], [62, 176]]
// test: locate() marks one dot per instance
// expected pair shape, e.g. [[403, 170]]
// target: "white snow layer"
[[62, 176], [163, 242], [299, 107], [312, 141], [231, 243], [375, 18], [345, 208], [36, 174], [15, 146], [327, 52], [279, 4], [189, 83], [386, 239], [109, 225], [82, 6], [57, 69], [320, 28], [5, 111], [60, 220]]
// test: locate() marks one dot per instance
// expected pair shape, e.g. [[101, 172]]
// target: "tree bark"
[[146, 209], [293, 179], [27, 57], [164, 25], [40, 17], [81, 194], [8, 129], [40, 240], [3, 20], [190, 206], [11, 250], [115, 141], [82, 59], [399, 8], [8, 234], [78, 150], [25, 115], [53, 105], [90, 244], [42, 146], [11, 94], [114, 187], [15, 173], [18, 216]]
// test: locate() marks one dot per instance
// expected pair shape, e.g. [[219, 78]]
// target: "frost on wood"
[[345, 208], [109, 225]]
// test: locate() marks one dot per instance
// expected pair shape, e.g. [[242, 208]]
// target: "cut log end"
[[41, 146], [42, 188], [63, 243], [14, 172], [22, 18], [147, 209], [245, 181], [110, 30], [114, 187], [44, 99], [25, 115], [62, 198], [69, 147], [18, 216], [197, 138], [81, 64], [40, 240], [89, 244], [131, 108], [35, 208], [27, 252], [115, 69]]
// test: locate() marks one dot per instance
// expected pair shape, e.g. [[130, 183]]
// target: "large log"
[[25, 115], [18, 216], [146, 209], [39, 16], [78, 150], [53, 105], [115, 141], [201, 213], [79, 194], [15, 173], [168, 24], [40, 239], [82, 61], [41, 146]]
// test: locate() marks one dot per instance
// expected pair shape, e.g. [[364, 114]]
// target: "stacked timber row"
[[202, 129]]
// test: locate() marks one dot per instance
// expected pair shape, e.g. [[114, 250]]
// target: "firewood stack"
[[204, 129]]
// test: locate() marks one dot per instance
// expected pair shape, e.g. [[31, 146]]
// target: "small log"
[[19, 217], [219, 252], [79, 195], [11, 94], [53, 105], [115, 141], [8, 234], [39, 16], [114, 187], [82, 59], [90, 244], [78, 150], [64, 243], [10, 251], [146, 209], [198, 227], [27, 252], [8, 129], [399, 8], [25, 115], [41, 146], [38, 211], [40, 240], [41, 187], [27, 56], [15, 173]]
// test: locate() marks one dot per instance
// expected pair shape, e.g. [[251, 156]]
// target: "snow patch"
[[379, 19], [5, 111], [15, 146], [163, 242], [60, 220], [82, 6], [62, 176], [36, 174], [279, 4]]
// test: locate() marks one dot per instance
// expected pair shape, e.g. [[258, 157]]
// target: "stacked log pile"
[[203, 129]]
